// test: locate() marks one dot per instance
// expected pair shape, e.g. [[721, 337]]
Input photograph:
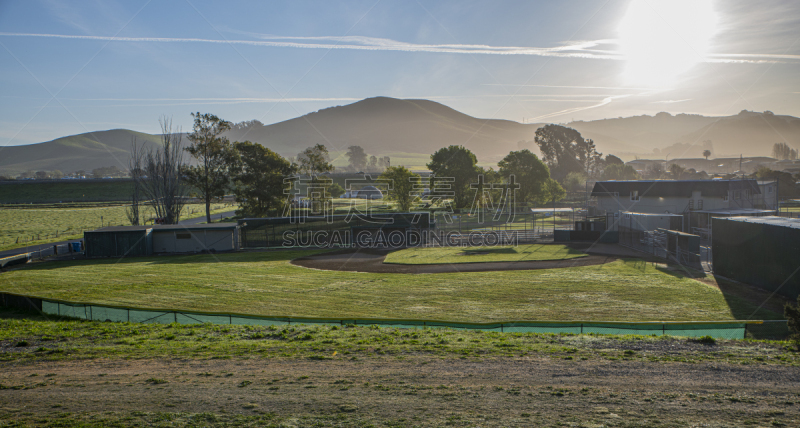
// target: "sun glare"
[[661, 40]]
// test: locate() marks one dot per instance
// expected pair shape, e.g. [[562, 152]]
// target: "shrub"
[[708, 340]]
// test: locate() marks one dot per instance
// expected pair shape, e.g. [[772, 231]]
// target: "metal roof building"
[[762, 251]]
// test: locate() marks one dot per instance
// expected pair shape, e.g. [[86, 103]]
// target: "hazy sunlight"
[[662, 39]]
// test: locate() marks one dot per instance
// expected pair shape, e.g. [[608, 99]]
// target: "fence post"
[[663, 329]]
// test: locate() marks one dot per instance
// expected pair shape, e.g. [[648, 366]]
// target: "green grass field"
[[265, 283], [506, 253], [39, 226], [53, 191]]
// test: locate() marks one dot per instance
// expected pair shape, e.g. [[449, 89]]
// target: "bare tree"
[[160, 181], [135, 167]]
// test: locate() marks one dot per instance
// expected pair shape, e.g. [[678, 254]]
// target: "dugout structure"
[[329, 231], [133, 241], [762, 251]]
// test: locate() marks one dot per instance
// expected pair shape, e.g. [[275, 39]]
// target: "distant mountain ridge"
[[747, 133], [383, 125]]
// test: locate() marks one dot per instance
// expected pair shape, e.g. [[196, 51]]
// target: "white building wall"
[[675, 205]]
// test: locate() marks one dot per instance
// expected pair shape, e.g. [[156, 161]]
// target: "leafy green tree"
[[611, 160], [401, 185], [458, 163], [336, 190], [676, 171], [553, 192], [655, 171], [312, 162], [211, 175], [484, 191], [259, 177], [706, 153], [565, 150], [620, 172], [575, 181], [530, 172], [357, 157]]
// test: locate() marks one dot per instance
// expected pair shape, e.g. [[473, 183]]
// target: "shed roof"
[[793, 223], [673, 188], [168, 227], [652, 214]]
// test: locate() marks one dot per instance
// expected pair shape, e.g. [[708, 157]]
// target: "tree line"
[[257, 176]]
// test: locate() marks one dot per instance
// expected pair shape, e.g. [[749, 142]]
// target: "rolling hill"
[[77, 152], [384, 125], [747, 133], [417, 128]]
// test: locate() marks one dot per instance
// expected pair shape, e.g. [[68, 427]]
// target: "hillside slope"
[[384, 125], [748, 133], [76, 152]]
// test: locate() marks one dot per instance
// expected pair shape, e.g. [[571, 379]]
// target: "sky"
[[73, 67]]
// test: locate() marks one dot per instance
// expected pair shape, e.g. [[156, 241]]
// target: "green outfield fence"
[[733, 329]]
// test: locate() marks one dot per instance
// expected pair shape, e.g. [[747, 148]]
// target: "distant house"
[[697, 200]]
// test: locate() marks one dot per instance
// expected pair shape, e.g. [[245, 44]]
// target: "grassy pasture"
[[265, 283], [39, 226], [54, 191], [505, 253]]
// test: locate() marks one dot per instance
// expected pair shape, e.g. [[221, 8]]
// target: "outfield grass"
[[506, 253], [39, 226], [265, 283]]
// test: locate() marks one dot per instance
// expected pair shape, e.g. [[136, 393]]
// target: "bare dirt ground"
[[371, 260], [417, 391]]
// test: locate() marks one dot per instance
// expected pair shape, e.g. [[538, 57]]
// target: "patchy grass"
[[237, 376], [50, 338], [32, 226], [505, 253], [265, 283]]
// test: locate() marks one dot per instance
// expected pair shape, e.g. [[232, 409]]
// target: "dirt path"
[[361, 260], [415, 391]]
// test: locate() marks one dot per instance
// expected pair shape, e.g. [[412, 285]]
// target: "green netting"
[[720, 330]]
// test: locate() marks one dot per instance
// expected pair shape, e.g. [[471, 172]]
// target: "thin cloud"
[[579, 49], [565, 86], [605, 101], [670, 101], [242, 100], [573, 50]]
